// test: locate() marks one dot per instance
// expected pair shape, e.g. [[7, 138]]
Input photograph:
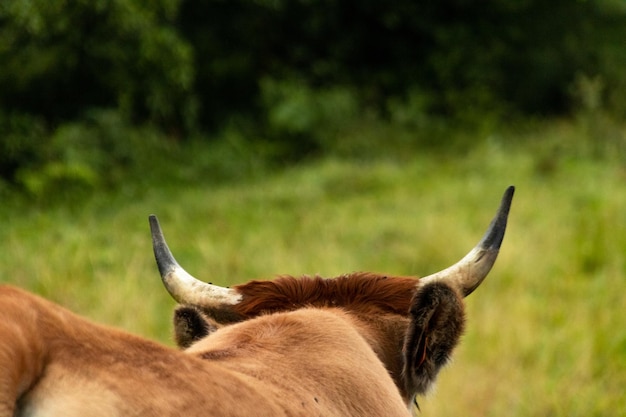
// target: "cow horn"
[[469, 272], [184, 288]]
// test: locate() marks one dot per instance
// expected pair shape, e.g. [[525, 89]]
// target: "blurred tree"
[[519, 54], [298, 73], [61, 58]]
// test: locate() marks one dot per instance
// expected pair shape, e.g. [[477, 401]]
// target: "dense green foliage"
[[459, 56], [90, 89], [60, 59]]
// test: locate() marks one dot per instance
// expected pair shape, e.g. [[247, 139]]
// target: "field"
[[546, 331]]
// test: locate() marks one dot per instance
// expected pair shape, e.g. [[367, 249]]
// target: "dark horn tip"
[[495, 234], [164, 259], [154, 222], [157, 234]]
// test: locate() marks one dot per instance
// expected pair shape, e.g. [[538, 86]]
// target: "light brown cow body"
[[356, 345], [92, 370]]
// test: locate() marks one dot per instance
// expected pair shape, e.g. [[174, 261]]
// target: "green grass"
[[546, 331]]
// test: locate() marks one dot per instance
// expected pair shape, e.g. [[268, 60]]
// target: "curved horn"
[[469, 272], [181, 285]]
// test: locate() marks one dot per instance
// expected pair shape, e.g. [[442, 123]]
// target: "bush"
[[499, 57], [98, 153], [60, 59], [304, 120], [21, 138], [296, 77]]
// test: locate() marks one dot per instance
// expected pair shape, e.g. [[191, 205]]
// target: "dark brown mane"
[[358, 291]]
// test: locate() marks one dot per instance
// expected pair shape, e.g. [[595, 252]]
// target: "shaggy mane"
[[358, 291]]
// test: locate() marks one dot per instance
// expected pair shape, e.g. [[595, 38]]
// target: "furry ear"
[[191, 325], [437, 322]]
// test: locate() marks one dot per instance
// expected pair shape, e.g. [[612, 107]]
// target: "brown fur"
[[191, 325], [360, 292], [302, 363], [438, 320], [357, 345]]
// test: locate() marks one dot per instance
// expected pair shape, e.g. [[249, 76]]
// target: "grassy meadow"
[[546, 332]]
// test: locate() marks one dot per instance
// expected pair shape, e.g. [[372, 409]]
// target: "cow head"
[[411, 324]]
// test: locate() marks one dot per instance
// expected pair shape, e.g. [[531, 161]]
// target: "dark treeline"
[[84, 82]]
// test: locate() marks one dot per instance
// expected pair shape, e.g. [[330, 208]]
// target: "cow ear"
[[191, 325], [437, 320]]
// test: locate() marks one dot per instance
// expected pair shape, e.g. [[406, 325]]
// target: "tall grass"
[[546, 331]]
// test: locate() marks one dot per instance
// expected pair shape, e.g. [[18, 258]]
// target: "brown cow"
[[357, 345]]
